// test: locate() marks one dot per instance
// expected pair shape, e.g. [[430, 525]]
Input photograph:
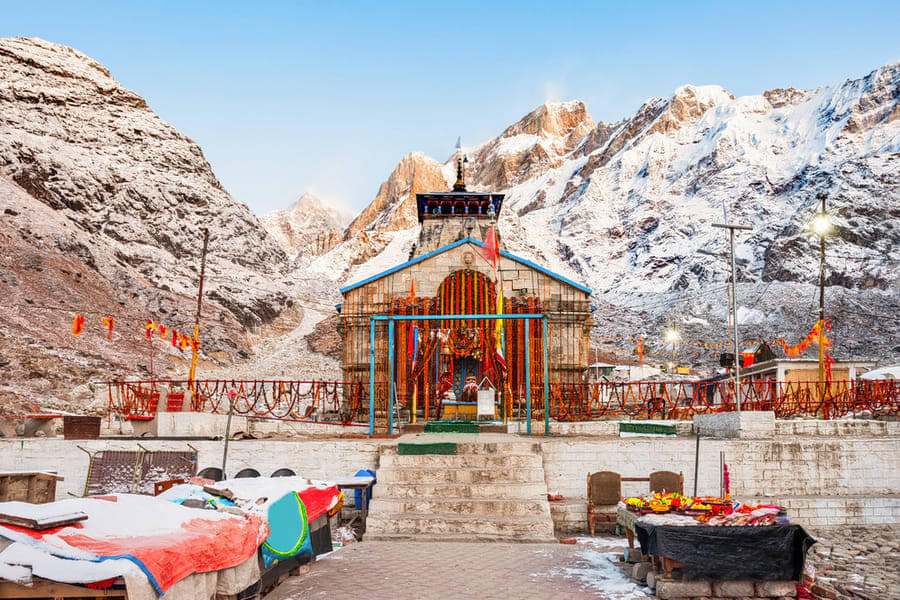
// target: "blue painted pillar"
[[546, 380], [371, 376], [527, 379], [391, 376]]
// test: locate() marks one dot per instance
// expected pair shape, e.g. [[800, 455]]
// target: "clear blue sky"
[[322, 96]]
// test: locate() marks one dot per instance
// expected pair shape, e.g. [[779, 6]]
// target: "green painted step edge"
[[451, 427], [658, 428], [404, 449]]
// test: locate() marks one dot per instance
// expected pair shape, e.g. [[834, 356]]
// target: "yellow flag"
[[498, 327]]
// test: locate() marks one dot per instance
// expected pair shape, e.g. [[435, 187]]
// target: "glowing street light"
[[672, 337], [821, 224]]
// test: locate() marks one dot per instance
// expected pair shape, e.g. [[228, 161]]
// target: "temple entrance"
[[463, 368]]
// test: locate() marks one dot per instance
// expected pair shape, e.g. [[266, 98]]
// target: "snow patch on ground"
[[596, 569]]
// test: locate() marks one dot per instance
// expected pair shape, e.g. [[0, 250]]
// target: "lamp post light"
[[821, 225], [672, 337], [734, 332]]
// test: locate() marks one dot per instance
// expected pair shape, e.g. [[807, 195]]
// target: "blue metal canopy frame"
[[391, 319]]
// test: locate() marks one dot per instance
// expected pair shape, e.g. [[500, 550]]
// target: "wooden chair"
[[667, 481], [604, 488]]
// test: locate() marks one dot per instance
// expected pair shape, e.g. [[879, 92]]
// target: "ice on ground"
[[596, 570]]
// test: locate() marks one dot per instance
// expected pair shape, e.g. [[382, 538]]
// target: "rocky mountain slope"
[[307, 228], [625, 206], [103, 209]]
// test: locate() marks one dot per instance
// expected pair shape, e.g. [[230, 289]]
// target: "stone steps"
[[481, 507], [462, 461], [475, 447], [454, 474], [533, 490], [412, 523], [491, 489]]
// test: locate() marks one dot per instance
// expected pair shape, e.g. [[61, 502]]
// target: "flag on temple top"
[[491, 249], [78, 325]]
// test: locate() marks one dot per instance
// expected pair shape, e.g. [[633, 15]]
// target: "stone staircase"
[[489, 491]]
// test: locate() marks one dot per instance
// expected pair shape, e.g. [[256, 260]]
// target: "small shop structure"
[[796, 370], [704, 547], [463, 315]]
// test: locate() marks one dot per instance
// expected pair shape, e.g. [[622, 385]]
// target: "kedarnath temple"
[[459, 266]]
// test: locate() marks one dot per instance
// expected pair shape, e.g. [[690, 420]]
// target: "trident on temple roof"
[[460, 185]]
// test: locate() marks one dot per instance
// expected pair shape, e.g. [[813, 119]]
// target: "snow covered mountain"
[[102, 211], [625, 206], [307, 228]]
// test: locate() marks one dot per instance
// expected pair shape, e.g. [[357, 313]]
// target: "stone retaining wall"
[[825, 473]]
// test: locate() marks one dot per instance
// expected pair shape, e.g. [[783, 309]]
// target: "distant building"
[[786, 370], [600, 371]]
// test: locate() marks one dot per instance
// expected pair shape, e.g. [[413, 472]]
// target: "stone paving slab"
[[446, 571]]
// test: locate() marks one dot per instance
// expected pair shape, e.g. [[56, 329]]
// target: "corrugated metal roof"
[[467, 240]]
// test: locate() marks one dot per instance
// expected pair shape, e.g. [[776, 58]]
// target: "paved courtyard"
[[446, 571]]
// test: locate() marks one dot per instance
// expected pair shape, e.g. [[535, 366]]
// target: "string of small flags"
[[180, 341]]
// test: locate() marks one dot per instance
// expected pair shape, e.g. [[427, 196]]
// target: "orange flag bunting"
[[150, 326], [162, 332], [174, 338], [109, 323], [78, 325]]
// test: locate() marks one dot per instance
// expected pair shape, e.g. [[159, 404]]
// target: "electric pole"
[[734, 333]]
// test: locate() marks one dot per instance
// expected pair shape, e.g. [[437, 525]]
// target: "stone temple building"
[[454, 270]]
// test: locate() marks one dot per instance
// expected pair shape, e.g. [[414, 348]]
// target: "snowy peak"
[[688, 104], [394, 206], [307, 228], [536, 142], [567, 120], [54, 59]]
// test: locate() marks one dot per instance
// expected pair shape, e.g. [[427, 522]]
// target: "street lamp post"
[[672, 336], [734, 332], [820, 226]]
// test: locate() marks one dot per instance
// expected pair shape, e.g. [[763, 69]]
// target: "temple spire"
[[460, 185]]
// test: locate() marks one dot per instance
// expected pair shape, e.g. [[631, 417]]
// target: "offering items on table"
[[716, 538], [707, 510]]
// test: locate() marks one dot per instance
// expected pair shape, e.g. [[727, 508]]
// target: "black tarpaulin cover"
[[773, 552]]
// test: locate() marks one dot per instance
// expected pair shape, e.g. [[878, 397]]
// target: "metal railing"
[[343, 403], [683, 400], [331, 402]]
